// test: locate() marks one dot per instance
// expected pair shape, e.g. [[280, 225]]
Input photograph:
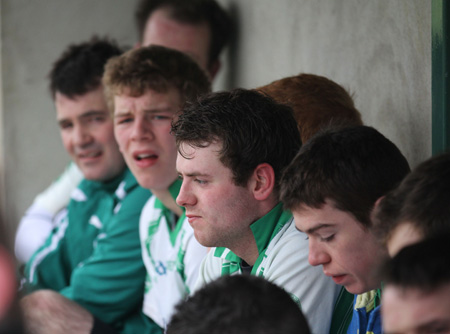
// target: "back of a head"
[[239, 304], [81, 66], [351, 166], [422, 200], [251, 127], [423, 266], [191, 12], [315, 100], [154, 68]]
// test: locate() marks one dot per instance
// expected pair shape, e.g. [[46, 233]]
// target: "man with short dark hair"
[[239, 304], [199, 28], [418, 207], [331, 186], [232, 149], [416, 297], [89, 275]]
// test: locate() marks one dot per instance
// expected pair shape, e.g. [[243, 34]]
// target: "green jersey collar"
[[264, 229]]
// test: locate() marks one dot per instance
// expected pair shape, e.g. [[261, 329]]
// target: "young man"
[[418, 207], [315, 100], [146, 88], [240, 304], [331, 187], [416, 298], [89, 273], [232, 148], [199, 28]]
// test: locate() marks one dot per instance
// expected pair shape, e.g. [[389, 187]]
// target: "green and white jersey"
[[283, 260], [171, 255], [94, 255]]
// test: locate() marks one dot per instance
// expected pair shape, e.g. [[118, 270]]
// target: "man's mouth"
[[89, 155], [144, 160]]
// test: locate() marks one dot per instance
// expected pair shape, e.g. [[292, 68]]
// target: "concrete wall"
[[379, 50]]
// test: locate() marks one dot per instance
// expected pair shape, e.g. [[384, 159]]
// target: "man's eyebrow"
[[432, 325], [316, 228], [90, 113], [87, 114], [126, 112], [192, 174]]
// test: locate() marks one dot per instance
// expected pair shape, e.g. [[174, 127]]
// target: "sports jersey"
[[94, 256], [366, 314], [283, 260], [172, 257]]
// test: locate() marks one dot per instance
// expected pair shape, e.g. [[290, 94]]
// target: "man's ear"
[[375, 208], [214, 68], [262, 181]]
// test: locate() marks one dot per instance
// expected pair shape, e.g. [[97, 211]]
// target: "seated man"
[[315, 100], [416, 298], [89, 273], [199, 28], [240, 304], [146, 87], [418, 207], [331, 186], [232, 147]]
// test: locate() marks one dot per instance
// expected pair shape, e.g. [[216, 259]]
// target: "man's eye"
[[161, 117], [327, 238], [97, 119], [200, 181], [123, 120], [65, 126]]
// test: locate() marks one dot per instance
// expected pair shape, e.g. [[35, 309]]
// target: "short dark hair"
[[422, 199], [315, 100], [239, 304], [351, 166], [251, 127], [157, 68], [191, 12], [80, 68], [424, 265]]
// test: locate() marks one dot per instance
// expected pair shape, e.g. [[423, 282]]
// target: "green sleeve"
[[48, 267], [110, 282]]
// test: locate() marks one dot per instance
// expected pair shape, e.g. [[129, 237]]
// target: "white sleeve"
[[195, 253], [210, 269], [40, 218], [57, 195], [288, 267]]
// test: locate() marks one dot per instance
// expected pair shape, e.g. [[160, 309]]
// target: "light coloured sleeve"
[[40, 218], [289, 268], [195, 253], [210, 269], [57, 196]]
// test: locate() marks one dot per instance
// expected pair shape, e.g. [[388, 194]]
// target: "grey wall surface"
[[379, 50]]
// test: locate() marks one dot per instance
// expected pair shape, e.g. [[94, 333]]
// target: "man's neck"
[[167, 200], [246, 247]]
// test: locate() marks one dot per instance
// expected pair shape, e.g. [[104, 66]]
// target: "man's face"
[[403, 235], [411, 311], [337, 241], [193, 40], [219, 211], [88, 135], [142, 128]]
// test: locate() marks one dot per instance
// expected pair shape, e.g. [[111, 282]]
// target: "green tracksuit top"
[[93, 256]]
